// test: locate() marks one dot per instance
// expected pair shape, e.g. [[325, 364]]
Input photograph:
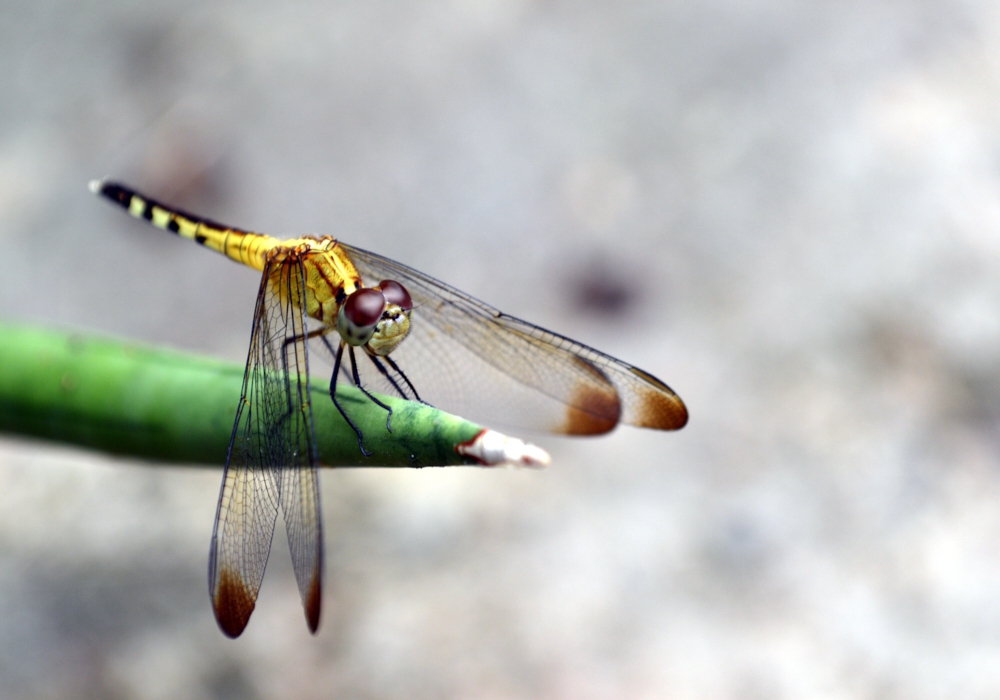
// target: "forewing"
[[272, 457], [465, 356]]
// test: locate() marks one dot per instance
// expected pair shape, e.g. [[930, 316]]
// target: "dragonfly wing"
[[471, 358], [241, 542], [298, 479], [272, 457], [300, 503]]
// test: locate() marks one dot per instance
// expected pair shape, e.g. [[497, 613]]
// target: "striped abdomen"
[[330, 275], [242, 246]]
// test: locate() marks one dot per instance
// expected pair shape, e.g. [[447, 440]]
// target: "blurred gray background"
[[790, 212]]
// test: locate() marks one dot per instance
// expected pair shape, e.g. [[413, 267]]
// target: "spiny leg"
[[388, 377], [307, 336], [406, 379], [357, 380], [333, 395]]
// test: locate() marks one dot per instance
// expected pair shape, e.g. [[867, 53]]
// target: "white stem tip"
[[492, 449]]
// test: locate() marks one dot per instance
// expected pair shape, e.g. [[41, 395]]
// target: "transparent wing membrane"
[[465, 356], [272, 461]]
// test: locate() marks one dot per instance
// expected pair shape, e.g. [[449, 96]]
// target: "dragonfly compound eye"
[[395, 293], [359, 315]]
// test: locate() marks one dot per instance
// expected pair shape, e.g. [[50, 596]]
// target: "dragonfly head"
[[376, 317], [394, 324]]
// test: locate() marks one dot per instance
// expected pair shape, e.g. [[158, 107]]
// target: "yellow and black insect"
[[402, 332]]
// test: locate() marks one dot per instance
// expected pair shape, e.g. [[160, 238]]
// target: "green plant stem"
[[166, 406]]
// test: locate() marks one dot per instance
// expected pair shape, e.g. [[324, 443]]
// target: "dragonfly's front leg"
[[402, 374], [333, 395], [357, 380], [392, 380]]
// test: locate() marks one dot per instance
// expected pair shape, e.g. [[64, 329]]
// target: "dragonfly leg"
[[333, 395], [406, 379], [357, 380], [389, 378], [333, 353]]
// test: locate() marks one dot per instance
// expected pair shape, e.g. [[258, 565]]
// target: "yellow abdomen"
[[330, 274]]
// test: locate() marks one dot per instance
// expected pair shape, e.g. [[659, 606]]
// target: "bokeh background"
[[789, 211]]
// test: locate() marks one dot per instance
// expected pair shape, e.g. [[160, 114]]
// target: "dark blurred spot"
[[604, 288], [605, 294], [893, 344], [184, 168]]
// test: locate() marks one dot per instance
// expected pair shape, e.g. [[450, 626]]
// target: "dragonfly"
[[385, 327]]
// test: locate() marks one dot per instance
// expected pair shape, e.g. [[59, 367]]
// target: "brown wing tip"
[[594, 407], [659, 407], [599, 415], [233, 603], [662, 412], [311, 603]]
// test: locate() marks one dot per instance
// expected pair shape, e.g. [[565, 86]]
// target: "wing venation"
[[272, 462], [564, 386]]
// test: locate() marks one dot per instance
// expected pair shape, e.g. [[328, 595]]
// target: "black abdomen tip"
[[113, 191]]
